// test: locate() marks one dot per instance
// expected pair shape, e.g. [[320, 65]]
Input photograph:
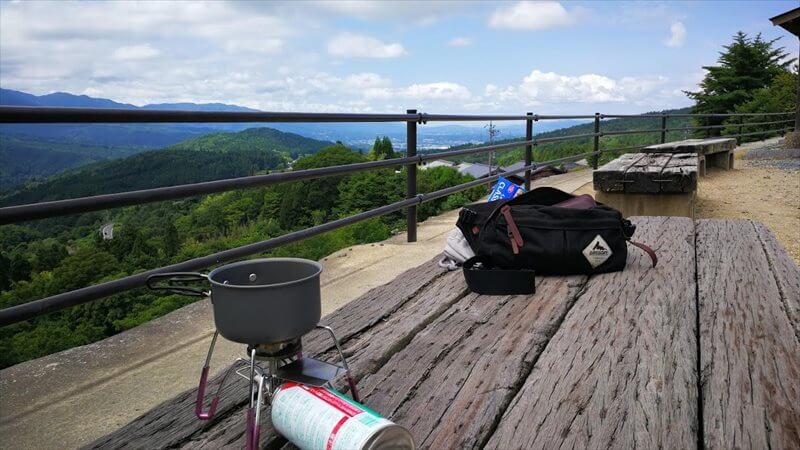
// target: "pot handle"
[[174, 278]]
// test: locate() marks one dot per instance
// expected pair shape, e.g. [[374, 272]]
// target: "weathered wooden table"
[[702, 350]]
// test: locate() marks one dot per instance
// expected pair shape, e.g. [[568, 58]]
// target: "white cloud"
[[441, 90], [423, 12], [528, 15], [552, 88], [351, 45], [264, 46], [367, 80], [460, 42], [135, 52], [677, 35]]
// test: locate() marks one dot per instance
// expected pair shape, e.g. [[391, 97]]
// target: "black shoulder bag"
[[547, 231]]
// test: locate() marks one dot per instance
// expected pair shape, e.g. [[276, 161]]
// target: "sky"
[[353, 56]]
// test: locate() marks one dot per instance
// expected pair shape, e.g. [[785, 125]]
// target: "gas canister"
[[315, 418]]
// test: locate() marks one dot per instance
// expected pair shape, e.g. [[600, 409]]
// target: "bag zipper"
[[513, 232]]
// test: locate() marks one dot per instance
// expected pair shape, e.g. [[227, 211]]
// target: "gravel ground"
[[774, 156], [764, 186]]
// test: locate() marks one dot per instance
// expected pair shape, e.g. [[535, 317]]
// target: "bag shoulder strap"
[[647, 249]]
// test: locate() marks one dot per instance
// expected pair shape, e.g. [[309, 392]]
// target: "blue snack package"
[[503, 190]]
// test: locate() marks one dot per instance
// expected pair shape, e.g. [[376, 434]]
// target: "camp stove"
[[267, 367], [269, 305]]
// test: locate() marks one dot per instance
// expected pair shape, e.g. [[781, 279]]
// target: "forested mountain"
[[210, 157], [45, 257], [25, 159]]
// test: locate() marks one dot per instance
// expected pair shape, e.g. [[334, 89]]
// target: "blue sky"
[[450, 56]]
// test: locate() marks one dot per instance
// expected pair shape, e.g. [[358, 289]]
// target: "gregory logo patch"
[[597, 252]]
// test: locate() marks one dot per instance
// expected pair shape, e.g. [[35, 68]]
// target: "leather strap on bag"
[[650, 252]]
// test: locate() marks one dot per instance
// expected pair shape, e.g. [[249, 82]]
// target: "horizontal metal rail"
[[752, 124], [14, 214], [473, 150], [621, 132], [57, 302], [705, 127], [760, 132], [646, 116], [36, 114]]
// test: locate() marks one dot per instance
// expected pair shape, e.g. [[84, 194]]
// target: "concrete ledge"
[[650, 204]]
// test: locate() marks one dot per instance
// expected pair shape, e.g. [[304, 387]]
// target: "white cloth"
[[456, 250]]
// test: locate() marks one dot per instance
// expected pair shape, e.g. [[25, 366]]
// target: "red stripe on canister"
[[331, 399], [332, 437]]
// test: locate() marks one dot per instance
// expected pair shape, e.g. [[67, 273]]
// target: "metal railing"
[[39, 115]]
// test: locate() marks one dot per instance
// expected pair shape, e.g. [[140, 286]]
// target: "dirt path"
[[764, 186]]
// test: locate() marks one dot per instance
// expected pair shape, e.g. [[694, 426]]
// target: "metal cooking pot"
[[259, 301]]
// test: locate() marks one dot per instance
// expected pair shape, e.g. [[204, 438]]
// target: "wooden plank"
[[476, 384], [365, 352], [621, 370], [610, 176], [749, 352], [457, 375], [786, 273], [643, 176], [699, 146], [174, 421], [648, 173], [680, 174]]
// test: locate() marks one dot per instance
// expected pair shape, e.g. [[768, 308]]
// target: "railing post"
[[411, 177], [596, 157], [708, 123], [528, 149], [664, 128]]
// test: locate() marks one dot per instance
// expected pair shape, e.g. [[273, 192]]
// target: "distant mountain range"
[[355, 134], [210, 157]]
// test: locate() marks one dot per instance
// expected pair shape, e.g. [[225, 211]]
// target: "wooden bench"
[[717, 152], [704, 348], [653, 184]]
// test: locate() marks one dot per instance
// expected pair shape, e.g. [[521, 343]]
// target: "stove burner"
[[279, 350]]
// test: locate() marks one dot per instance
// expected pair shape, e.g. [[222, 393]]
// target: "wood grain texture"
[[621, 370], [786, 273], [750, 356], [452, 382], [174, 422], [648, 173], [699, 146]]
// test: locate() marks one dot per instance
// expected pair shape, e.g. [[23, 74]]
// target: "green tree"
[[300, 200], [780, 96], [382, 149], [5, 272], [746, 65], [172, 241]]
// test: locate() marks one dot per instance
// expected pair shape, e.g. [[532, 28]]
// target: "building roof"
[[437, 163], [516, 165], [789, 21], [477, 170]]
